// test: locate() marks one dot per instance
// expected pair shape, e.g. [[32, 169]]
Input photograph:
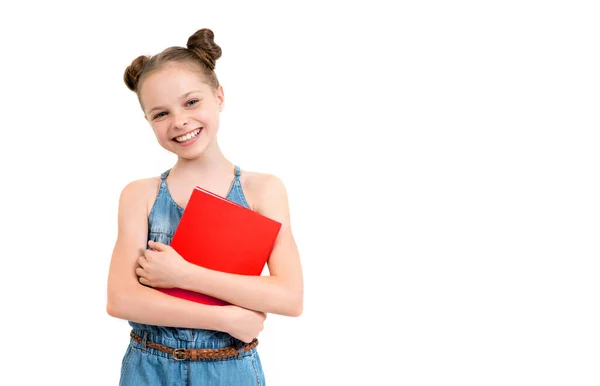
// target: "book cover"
[[222, 235]]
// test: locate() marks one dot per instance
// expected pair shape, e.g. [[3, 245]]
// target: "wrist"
[[221, 318], [186, 279], [193, 278]]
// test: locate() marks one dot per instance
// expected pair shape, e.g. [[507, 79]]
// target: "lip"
[[190, 142], [186, 133]]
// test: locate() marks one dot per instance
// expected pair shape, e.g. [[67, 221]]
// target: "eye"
[[193, 102], [160, 115]]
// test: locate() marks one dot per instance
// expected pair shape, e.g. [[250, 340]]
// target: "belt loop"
[[144, 339], [240, 346]]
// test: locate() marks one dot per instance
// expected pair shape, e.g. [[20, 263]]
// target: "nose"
[[181, 121]]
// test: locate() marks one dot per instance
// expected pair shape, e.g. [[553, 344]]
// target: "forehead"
[[168, 84]]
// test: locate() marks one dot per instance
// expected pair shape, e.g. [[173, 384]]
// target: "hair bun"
[[133, 72], [203, 45]]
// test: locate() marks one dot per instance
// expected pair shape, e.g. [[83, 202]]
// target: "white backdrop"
[[441, 160]]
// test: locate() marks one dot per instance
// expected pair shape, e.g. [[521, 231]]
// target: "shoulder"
[[266, 192], [140, 187], [139, 193]]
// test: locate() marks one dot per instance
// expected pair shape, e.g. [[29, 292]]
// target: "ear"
[[220, 94]]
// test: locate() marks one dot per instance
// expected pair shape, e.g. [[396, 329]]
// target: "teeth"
[[187, 137]]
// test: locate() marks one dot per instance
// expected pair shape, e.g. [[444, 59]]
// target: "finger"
[[144, 281], [148, 254], [142, 261], [140, 272], [157, 246]]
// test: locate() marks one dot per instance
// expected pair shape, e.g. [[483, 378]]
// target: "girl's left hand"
[[161, 266]]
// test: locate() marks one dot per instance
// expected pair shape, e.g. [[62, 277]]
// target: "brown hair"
[[201, 50]]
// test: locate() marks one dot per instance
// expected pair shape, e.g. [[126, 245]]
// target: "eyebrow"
[[181, 97]]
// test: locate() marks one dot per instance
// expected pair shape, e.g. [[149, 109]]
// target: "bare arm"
[[129, 300], [282, 291]]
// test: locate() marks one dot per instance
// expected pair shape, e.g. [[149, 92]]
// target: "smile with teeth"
[[188, 136]]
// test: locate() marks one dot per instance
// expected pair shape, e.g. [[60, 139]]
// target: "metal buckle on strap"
[[179, 354]]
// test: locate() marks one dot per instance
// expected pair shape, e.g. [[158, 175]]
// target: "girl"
[[175, 341]]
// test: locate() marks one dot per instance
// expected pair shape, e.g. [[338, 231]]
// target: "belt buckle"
[[179, 354]]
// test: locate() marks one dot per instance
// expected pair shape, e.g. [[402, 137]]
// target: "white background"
[[441, 160]]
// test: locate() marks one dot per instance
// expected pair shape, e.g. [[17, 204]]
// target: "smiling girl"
[[175, 341]]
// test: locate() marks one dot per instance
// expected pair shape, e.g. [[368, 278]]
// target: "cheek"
[[211, 118], [216, 122], [160, 130], [207, 113]]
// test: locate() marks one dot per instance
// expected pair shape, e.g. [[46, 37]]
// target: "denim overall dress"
[[143, 365]]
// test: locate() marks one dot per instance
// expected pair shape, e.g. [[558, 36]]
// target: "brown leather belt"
[[194, 354]]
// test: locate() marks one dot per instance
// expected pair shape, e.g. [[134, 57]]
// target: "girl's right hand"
[[242, 323]]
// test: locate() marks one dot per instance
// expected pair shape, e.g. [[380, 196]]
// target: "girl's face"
[[182, 110]]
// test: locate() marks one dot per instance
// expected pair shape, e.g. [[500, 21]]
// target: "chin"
[[191, 153]]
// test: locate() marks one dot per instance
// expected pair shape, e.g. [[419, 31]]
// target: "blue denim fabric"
[[143, 365]]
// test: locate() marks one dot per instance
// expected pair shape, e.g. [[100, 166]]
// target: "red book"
[[219, 234]]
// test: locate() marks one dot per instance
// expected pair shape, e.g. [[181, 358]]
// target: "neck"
[[210, 162]]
